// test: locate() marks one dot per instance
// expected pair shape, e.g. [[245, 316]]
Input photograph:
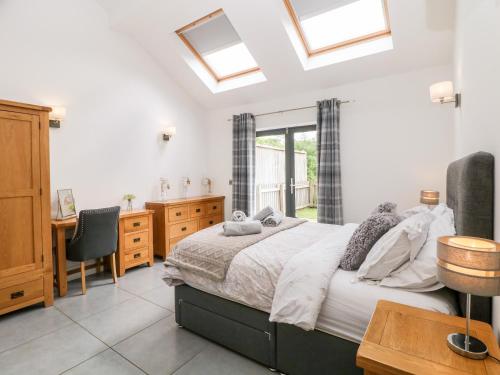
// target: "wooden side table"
[[401, 339]]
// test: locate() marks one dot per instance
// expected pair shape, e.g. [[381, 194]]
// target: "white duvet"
[[303, 284]]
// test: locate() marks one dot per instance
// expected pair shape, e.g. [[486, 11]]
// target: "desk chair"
[[96, 236]]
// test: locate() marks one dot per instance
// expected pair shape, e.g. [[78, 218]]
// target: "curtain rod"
[[293, 109]]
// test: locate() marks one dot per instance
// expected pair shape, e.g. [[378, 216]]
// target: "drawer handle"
[[137, 224], [211, 222], [138, 255], [178, 213], [214, 207], [183, 229], [17, 294], [138, 239], [198, 210]]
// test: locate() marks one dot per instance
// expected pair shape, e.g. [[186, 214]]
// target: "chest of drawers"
[[176, 219], [135, 240]]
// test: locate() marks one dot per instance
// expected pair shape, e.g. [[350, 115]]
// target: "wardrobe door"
[[20, 194]]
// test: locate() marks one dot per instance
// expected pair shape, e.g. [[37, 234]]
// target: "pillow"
[[363, 238], [413, 211], [385, 207], [421, 274], [396, 247]]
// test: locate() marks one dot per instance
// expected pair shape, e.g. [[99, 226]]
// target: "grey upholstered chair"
[[96, 236]]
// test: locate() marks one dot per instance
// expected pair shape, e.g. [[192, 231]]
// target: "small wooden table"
[[401, 339], [127, 227]]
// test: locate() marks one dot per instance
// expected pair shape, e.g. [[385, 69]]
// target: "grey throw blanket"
[[209, 253], [242, 228]]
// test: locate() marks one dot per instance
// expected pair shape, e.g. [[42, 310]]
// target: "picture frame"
[[66, 204]]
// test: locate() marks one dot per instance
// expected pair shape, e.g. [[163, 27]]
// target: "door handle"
[[292, 186]]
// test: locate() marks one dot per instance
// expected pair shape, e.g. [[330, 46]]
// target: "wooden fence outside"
[[274, 195], [270, 179]]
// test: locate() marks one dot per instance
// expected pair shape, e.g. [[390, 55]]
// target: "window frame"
[[361, 39], [197, 55]]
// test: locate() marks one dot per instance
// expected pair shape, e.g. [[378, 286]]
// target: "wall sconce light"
[[442, 92], [168, 133], [56, 116]]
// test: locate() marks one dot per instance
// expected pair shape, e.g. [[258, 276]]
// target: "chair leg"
[[113, 267], [98, 265], [82, 271]]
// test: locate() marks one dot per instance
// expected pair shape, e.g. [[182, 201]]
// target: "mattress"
[[252, 276]]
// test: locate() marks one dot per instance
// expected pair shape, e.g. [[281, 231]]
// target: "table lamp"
[[469, 265], [429, 197]]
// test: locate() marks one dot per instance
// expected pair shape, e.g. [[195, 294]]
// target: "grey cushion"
[[385, 207], [365, 236]]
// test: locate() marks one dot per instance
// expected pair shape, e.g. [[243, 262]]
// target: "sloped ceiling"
[[422, 36]]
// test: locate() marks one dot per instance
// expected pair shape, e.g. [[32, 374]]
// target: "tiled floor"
[[124, 329]]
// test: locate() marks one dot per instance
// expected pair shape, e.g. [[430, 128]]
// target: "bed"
[[235, 312]]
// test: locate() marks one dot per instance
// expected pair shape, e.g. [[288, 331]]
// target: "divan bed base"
[[247, 331]]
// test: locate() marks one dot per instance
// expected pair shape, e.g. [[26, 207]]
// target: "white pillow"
[[396, 247], [413, 211], [421, 274]]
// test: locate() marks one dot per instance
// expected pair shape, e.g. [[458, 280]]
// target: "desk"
[[131, 251]]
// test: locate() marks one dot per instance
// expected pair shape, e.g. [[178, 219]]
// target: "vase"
[[129, 205]]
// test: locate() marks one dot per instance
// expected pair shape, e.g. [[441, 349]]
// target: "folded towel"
[[238, 216], [273, 220], [265, 212], [233, 228]]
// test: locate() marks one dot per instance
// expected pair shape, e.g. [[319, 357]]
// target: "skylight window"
[[218, 47], [326, 25]]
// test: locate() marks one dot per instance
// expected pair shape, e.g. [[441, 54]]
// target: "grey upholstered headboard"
[[470, 193]]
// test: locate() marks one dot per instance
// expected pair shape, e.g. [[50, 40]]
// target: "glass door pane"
[[270, 170], [305, 179]]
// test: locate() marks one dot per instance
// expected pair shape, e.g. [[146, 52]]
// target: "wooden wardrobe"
[[25, 239]]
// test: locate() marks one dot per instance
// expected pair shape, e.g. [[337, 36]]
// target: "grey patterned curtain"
[[329, 186], [244, 163]]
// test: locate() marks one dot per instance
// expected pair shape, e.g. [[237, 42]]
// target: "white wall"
[[477, 77], [394, 141], [58, 52]]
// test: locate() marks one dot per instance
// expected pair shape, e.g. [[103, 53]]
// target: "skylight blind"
[[213, 35], [309, 8]]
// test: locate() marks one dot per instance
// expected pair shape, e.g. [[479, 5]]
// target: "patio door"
[[286, 170]]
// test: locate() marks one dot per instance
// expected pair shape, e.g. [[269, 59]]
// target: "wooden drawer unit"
[[214, 207], [136, 256], [178, 213], [136, 224], [31, 291], [175, 219], [135, 240], [209, 221], [197, 210], [182, 229]]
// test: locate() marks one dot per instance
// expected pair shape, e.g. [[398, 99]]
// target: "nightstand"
[[407, 340]]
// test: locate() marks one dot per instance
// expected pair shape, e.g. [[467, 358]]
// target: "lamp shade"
[[429, 197], [442, 92], [58, 113], [469, 265]]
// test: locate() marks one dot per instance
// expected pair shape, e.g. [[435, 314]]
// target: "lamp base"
[[477, 349]]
